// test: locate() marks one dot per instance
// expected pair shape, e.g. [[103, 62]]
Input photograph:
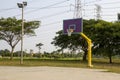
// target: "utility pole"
[[98, 12], [22, 5]]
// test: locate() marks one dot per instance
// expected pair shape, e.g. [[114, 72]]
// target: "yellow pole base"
[[90, 66]]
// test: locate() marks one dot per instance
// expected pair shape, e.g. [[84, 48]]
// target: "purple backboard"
[[75, 24]]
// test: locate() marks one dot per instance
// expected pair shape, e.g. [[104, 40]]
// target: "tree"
[[4, 53], [10, 31], [107, 39], [39, 46], [72, 43]]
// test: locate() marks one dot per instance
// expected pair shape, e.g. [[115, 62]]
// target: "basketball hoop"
[[69, 31]]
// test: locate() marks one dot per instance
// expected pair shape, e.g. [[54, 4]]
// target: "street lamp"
[[22, 5]]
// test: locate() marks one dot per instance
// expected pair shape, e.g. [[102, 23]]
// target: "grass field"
[[77, 63]]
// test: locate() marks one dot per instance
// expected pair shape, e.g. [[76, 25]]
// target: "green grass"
[[103, 64], [77, 63]]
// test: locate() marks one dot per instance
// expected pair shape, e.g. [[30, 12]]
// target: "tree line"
[[105, 37], [52, 55]]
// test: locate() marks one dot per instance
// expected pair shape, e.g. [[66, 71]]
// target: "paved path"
[[55, 73]]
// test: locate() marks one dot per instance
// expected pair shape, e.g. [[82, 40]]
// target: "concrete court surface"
[[55, 73]]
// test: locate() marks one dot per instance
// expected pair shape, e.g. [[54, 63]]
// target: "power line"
[[107, 3], [52, 23], [54, 6], [12, 8], [59, 13], [44, 7], [67, 12], [7, 9], [103, 9], [117, 2], [48, 7], [111, 8], [57, 7], [91, 2]]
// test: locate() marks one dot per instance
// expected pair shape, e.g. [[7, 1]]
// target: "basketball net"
[[69, 31]]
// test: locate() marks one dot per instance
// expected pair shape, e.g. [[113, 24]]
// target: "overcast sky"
[[51, 13]]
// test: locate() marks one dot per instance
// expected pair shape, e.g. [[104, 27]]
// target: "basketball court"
[[55, 73]]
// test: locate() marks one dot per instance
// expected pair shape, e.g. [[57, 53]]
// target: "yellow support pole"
[[89, 49]]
